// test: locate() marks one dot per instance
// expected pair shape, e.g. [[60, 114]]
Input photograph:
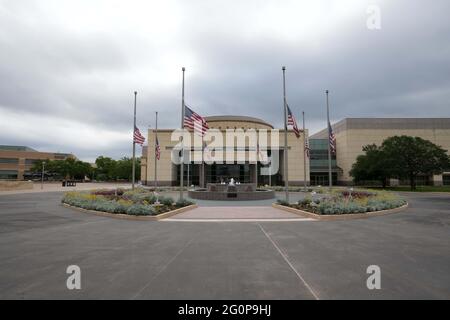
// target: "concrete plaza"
[[303, 259]]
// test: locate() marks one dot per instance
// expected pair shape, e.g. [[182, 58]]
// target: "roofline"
[[384, 123], [237, 119]]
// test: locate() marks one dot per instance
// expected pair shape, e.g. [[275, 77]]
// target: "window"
[[30, 162], [446, 179], [9, 160], [8, 174]]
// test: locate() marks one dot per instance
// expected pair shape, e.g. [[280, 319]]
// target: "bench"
[[69, 183]]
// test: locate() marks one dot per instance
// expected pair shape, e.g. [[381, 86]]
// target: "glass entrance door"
[[217, 173]]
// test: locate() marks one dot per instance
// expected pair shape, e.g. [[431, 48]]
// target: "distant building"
[[354, 133], [16, 161]]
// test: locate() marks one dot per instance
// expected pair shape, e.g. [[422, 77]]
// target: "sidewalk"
[[255, 213], [57, 187]]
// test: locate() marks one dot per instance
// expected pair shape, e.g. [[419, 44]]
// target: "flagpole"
[[134, 145], [156, 160], [182, 143], [285, 154], [304, 151], [256, 165], [202, 175], [330, 176], [270, 170]]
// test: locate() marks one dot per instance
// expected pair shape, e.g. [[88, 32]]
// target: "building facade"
[[16, 161], [198, 174], [354, 133]]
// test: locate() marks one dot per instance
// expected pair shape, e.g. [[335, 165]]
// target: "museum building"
[[351, 135]]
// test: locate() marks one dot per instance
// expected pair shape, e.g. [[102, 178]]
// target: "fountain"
[[232, 191]]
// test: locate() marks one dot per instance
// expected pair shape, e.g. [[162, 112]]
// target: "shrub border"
[[335, 217], [133, 217]]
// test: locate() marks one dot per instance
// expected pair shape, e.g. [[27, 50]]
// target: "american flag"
[[332, 139], [292, 122], [307, 149], [138, 137], [157, 149], [194, 121]]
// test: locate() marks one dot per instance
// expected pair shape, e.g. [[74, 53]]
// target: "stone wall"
[[7, 185]]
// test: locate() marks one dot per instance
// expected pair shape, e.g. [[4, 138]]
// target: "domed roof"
[[237, 119]]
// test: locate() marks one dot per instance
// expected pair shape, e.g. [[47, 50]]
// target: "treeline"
[[400, 157], [108, 169], [105, 169]]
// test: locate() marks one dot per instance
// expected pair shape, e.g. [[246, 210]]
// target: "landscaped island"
[[139, 202], [348, 202]]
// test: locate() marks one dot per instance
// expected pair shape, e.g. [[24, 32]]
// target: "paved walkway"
[[57, 187], [237, 214]]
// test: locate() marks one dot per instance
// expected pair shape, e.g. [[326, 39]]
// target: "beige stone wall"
[[295, 157], [166, 171], [350, 142], [164, 165], [15, 185]]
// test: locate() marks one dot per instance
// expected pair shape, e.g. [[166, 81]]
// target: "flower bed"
[[139, 202], [348, 202]]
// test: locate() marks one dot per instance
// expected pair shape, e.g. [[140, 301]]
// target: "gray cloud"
[[78, 66]]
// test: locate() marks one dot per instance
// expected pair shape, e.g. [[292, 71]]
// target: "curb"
[[122, 216], [336, 217]]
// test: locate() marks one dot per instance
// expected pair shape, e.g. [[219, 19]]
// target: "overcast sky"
[[68, 69]]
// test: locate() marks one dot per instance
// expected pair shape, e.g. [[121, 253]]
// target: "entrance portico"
[[243, 171]]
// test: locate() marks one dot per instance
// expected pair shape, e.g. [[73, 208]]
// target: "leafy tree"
[[37, 166], [408, 157], [81, 169], [110, 169], [106, 168], [66, 169], [371, 166]]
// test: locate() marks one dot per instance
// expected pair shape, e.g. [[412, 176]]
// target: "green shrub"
[[167, 201], [140, 210], [338, 206], [282, 202], [149, 198], [120, 208], [183, 203], [305, 202]]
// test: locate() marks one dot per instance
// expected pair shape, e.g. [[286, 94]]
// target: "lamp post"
[[330, 175], [42, 175]]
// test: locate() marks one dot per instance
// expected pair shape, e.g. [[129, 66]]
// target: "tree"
[[106, 168], [110, 169], [407, 157], [69, 168], [81, 169], [371, 166]]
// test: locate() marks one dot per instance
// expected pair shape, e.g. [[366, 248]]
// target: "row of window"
[[16, 161], [8, 174]]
